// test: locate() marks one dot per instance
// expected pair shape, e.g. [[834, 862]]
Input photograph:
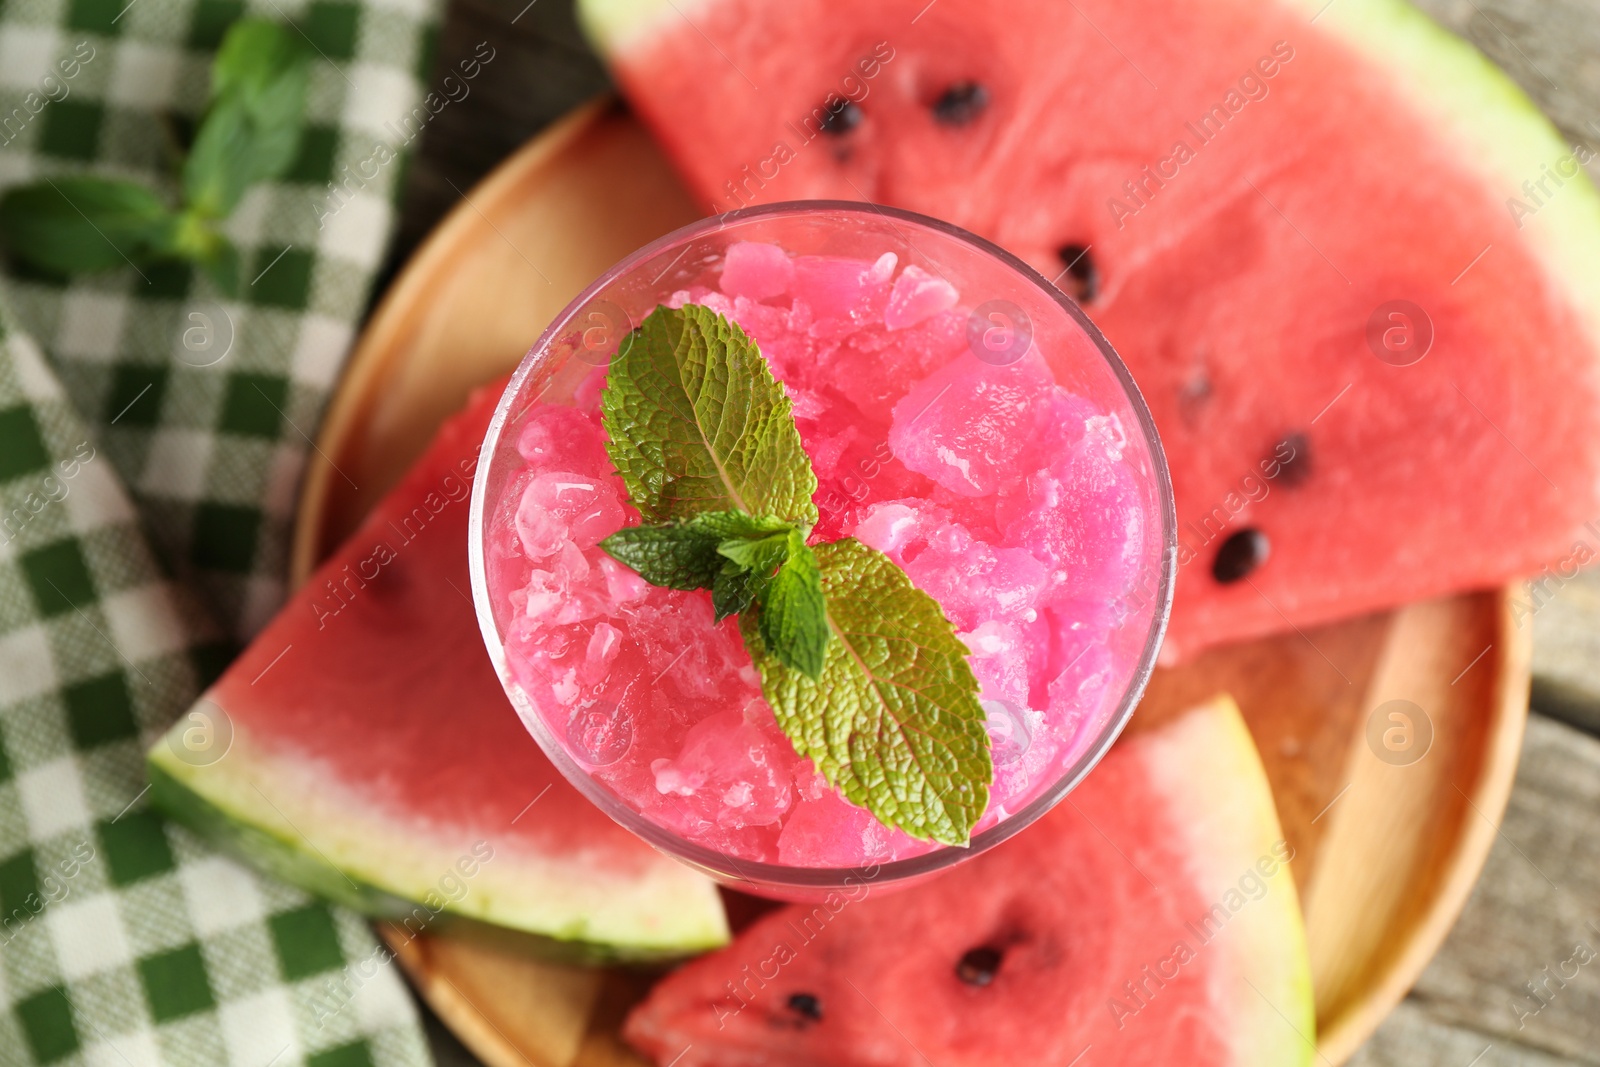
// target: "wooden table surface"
[[1518, 981]]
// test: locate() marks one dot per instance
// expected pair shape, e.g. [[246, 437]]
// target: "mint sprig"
[[745, 560], [250, 133], [863, 671]]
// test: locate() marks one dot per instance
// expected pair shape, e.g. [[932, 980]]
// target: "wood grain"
[[1537, 900], [1405, 842]]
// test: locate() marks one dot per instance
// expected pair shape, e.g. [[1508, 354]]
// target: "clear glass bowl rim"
[[758, 874]]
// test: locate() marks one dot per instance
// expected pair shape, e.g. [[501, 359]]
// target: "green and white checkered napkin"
[[152, 435]]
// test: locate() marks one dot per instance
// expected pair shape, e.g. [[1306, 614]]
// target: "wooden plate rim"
[[376, 351], [1487, 798]]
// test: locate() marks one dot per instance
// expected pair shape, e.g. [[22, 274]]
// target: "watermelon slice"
[[1354, 271], [375, 759], [1151, 920]]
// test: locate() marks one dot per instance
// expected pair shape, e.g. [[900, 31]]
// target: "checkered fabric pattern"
[[211, 454], [152, 434], [125, 941]]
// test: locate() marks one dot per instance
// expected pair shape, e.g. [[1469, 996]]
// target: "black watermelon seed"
[[1082, 277], [842, 116], [960, 104], [1296, 469], [806, 1005], [979, 966], [1240, 555]]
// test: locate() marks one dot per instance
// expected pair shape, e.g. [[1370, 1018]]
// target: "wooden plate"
[[1385, 853]]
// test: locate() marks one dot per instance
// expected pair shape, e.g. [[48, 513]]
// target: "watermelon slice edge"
[[370, 755]]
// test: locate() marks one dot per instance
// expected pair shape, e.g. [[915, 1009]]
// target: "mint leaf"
[[696, 422], [729, 525], [762, 556], [757, 547], [80, 225], [893, 721], [251, 60], [686, 555], [792, 620], [677, 556], [734, 590], [251, 131]]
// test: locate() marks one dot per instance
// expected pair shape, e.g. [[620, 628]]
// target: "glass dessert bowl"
[[962, 417]]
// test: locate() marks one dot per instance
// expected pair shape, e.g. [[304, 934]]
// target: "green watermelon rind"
[[609, 924], [610, 25], [1499, 132], [1224, 811]]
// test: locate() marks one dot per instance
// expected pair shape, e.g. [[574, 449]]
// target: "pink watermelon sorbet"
[[1017, 504]]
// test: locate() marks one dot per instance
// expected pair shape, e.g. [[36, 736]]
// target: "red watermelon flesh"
[[375, 757], [1254, 190], [1152, 920]]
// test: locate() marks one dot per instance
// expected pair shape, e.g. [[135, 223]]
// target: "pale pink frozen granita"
[[1001, 493]]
